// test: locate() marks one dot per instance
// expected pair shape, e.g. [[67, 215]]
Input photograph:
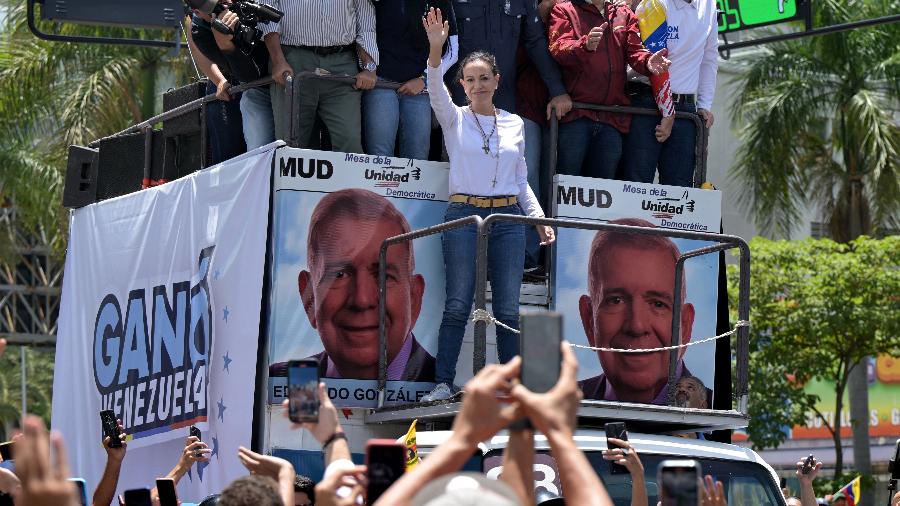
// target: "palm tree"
[[54, 94], [817, 121]]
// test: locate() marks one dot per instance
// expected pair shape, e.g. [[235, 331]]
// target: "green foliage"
[[38, 388], [54, 94], [817, 123], [817, 306], [825, 486]]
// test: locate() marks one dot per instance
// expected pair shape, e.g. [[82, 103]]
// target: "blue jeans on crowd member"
[[538, 181], [506, 251], [386, 114], [223, 128], [643, 153], [259, 124], [589, 148]]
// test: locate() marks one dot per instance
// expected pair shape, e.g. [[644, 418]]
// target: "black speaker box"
[[185, 124], [121, 167], [81, 177]]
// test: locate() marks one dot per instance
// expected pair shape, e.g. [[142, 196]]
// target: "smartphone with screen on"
[[110, 428], [82, 490], [679, 482], [165, 487], [539, 341], [385, 464], [303, 391], [616, 430], [138, 497], [7, 451]]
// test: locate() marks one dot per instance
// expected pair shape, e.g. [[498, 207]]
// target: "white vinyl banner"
[[159, 322]]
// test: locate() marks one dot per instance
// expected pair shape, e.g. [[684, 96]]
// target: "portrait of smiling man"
[[629, 305], [339, 289]]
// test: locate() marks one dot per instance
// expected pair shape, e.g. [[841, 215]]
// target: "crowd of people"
[[547, 55], [494, 400]]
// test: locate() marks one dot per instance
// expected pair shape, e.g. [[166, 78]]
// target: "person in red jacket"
[[593, 41]]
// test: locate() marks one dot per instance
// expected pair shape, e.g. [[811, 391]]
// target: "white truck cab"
[[748, 480]]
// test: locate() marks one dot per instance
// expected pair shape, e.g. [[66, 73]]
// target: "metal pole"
[[479, 349], [808, 33], [24, 383]]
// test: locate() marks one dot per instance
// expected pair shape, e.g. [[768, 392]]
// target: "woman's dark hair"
[[484, 56]]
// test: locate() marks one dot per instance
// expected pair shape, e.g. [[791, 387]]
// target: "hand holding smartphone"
[[303, 391], [616, 430], [385, 464], [82, 490], [110, 428], [808, 464]]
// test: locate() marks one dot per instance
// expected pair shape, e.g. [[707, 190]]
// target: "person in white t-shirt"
[[693, 50], [488, 175]]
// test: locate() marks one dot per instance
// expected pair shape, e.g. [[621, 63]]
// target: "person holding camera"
[[234, 60], [329, 38]]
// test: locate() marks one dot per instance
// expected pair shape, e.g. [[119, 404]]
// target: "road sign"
[[737, 15]]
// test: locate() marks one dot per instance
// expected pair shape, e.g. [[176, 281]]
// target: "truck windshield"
[[746, 483]]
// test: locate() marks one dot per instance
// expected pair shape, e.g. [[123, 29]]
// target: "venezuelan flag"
[[851, 492], [651, 16]]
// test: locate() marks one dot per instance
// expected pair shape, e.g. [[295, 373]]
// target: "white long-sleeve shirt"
[[472, 171], [693, 44]]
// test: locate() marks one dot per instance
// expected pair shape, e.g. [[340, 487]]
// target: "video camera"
[[249, 13]]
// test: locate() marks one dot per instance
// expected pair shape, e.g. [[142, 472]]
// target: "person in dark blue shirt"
[[496, 26], [401, 118]]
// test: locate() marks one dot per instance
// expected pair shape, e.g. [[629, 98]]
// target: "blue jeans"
[[387, 113], [589, 148], [506, 246], [224, 131], [643, 153], [259, 124]]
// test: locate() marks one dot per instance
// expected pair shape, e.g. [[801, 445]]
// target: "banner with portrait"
[[616, 290], [159, 321], [331, 212]]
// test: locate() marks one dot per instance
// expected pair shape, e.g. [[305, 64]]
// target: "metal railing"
[[700, 143], [724, 243]]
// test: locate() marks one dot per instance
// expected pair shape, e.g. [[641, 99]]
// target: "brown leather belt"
[[477, 201]]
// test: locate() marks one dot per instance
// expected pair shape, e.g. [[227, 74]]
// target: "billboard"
[[616, 290], [331, 212], [884, 404]]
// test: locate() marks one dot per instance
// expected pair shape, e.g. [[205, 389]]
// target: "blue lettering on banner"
[[158, 378], [349, 393]]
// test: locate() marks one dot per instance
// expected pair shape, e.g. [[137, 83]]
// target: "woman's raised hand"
[[436, 28]]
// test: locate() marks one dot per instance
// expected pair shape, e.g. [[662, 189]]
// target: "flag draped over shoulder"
[[651, 16], [851, 491]]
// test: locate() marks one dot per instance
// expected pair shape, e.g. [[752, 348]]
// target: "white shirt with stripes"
[[325, 23]]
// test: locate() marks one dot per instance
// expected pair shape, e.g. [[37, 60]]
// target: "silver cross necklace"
[[486, 142]]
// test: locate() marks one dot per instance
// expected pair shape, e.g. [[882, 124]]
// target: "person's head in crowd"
[[304, 491], [838, 499], [793, 501], [340, 290], [251, 490], [629, 305], [207, 17], [690, 392], [465, 489], [479, 76], [210, 500]]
